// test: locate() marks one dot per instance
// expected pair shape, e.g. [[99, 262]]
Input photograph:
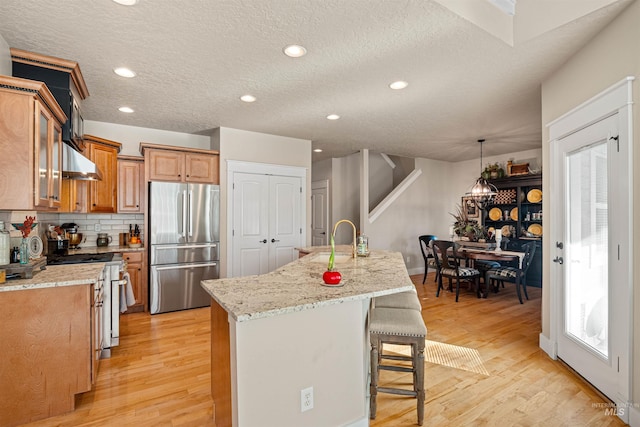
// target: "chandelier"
[[482, 193]]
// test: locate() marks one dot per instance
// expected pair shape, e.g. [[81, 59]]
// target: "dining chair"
[[518, 276], [448, 262], [427, 253]]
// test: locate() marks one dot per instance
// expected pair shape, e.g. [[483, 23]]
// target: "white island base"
[[277, 334], [273, 359]]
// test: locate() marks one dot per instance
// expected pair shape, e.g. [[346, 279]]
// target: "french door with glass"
[[592, 255]]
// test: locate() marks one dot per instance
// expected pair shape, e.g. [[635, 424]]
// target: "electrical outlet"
[[408, 260], [306, 399], [96, 227]]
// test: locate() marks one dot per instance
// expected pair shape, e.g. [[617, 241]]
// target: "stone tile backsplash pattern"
[[112, 224]]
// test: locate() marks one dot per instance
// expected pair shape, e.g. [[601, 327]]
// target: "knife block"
[[124, 239]]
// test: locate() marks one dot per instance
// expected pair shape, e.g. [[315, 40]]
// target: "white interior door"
[[285, 228], [250, 224], [268, 212], [592, 255], [319, 213]]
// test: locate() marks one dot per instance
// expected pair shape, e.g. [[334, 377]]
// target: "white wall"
[[131, 136], [5, 58], [241, 145], [380, 179], [346, 195]]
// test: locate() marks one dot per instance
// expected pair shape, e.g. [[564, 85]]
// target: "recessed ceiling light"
[[333, 117], [126, 109], [248, 98], [124, 72], [398, 85], [317, 150], [126, 2], [295, 51]]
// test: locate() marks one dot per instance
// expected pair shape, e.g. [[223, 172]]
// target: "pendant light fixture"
[[482, 193]]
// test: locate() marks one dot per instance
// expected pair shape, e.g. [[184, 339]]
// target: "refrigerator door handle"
[[196, 246], [180, 213], [183, 266], [190, 198], [185, 213]]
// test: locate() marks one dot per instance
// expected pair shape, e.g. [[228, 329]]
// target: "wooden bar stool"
[[399, 326]]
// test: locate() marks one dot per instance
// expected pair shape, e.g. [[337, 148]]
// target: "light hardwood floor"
[[159, 375]]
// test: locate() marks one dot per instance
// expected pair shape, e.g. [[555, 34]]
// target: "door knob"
[[323, 233], [274, 240], [263, 241], [559, 260]]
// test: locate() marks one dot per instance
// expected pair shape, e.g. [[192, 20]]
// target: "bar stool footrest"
[[397, 391], [395, 368]]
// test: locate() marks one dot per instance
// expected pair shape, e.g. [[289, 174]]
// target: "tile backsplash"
[[112, 224]]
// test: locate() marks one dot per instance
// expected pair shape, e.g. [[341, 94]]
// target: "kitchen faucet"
[[353, 244]]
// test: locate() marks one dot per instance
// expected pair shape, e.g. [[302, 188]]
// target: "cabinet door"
[[55, 177], [135, 268], [103, 194], [166, 165], [130, 186], [42, 156], [74, 196], [201, 168]]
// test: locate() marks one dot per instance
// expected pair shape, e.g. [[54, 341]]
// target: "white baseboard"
[[547, 346], [634, 416], [416, 270]]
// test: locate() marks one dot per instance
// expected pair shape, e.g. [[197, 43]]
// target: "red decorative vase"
[[331, 277]]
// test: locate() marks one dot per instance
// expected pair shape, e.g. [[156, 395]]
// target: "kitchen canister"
[[5, 245], [103, 239]]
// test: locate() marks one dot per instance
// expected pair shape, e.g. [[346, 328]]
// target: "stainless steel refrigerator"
[[184, 237]]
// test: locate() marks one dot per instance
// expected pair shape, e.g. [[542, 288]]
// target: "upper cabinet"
[[130, 184], [177, 164], [65, 81], [30, 136], [103, 195]]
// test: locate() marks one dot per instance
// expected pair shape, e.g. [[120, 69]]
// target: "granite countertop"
[[311, 249], [57, 275], [299, 286]]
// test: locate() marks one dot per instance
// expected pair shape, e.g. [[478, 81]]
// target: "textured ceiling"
[[195, 58]]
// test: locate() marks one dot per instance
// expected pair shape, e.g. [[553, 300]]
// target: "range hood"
[[77, 166]]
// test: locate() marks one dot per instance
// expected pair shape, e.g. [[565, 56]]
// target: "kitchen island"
[[277, 334], [46, 333]]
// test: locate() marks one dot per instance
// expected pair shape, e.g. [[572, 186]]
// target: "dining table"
[[501, 256]]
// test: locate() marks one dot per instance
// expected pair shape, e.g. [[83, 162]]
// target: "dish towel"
[[126, 298]]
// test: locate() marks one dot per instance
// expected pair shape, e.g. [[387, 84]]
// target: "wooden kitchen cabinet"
[[138, 274], [31, 138], [131, 184], [74, 196], [103, 195], [46, 341], [178, 164]]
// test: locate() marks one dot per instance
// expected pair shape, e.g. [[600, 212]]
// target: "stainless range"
[[112, 286]]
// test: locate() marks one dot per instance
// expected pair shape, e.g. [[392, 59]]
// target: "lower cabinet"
[[46, 344], [138, 273]]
